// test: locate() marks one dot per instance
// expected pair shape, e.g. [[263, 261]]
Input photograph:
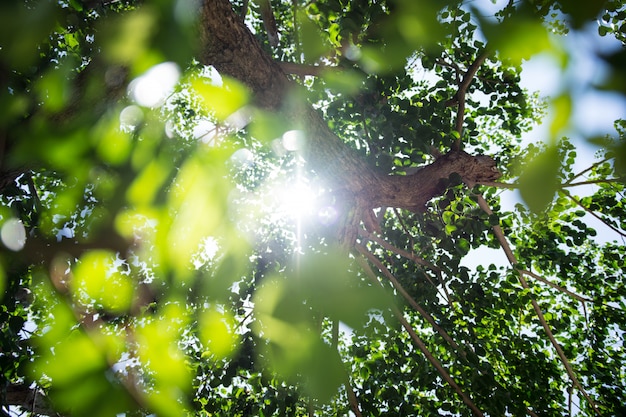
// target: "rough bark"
[[28, 398]]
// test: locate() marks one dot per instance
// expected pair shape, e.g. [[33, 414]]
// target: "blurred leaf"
[[217, 332], [582, 11], [267, 126], [96, 278], [221, 100], [297, 354], [112, 144], [54, 87], [126, 39], [314, 43], [518, 38], [345, 82], [330, 286], [539, 180], [561, 109]]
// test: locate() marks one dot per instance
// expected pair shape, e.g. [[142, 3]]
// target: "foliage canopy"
[[290, 208]]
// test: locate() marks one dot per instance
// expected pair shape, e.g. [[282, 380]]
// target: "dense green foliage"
[[173, 254]]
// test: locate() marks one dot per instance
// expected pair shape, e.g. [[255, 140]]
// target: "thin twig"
[[497, 230], [593, 213], [398, 251], [531, 412], [592, 166], [414, 258], [592, 182], [403, 226], [556, 287], [244, 10], [461, 92], [303, 69], [498, 184]]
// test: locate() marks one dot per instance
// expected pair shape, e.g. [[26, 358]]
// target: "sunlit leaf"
[[64, 366], [96, 278], [193, 199], [539, 180], [159, 352], [144, 188], [217, 332], [561, 110], [221, 100]]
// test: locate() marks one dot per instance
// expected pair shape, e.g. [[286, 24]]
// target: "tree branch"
[[556, 287], [459, 97], [591, 182], [396, 284], [422, 346], [497, 230], [352, 399], [593, 213]]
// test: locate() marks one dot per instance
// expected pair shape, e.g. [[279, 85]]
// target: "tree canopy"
[[304, 208]]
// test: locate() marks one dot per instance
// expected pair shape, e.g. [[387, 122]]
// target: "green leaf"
[[561, 109], [314, 43], [539, 180], [221, 100]]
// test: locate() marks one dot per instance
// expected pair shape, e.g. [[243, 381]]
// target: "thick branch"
[[414, 191], [303, 69]]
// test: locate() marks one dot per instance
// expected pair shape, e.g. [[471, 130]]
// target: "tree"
[[157, 252]]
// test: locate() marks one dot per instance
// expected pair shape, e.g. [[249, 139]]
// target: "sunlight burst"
[[297, 200]]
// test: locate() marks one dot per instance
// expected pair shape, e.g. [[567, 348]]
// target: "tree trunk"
[[229, 46]]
